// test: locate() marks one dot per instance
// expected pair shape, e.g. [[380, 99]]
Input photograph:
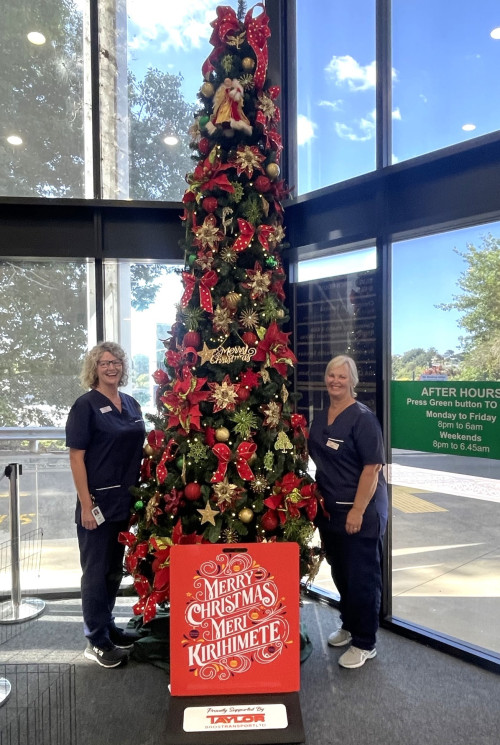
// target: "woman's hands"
[[354, 520]]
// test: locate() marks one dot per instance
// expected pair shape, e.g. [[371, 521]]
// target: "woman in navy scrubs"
[[345, 443], [105, 434]]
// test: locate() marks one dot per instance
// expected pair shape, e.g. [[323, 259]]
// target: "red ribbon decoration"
[[244, 452], [161, 469], [168, 455], [225, 22], [257, 34], [245, 237], [223, 455], [207, 283], [263, 234]]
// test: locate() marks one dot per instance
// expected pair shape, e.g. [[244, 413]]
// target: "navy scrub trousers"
[[356, 567], [101, 559]]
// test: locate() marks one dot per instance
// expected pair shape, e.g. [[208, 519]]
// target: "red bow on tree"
[[243, 454], [207, 283]]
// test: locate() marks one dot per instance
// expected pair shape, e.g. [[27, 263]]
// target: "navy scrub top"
[[113, 443], [340, 452]]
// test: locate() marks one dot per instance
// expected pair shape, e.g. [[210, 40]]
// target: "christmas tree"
[[226, 461]]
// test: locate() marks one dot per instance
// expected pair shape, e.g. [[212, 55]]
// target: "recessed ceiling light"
[[468, 127], [36, 38], [495, 34], [170, 140], [14, 140]]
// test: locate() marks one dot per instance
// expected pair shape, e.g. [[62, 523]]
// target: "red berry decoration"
[[269, 521], [210, 204], [243, 393], [192, 491], [204, 146], [250, 338], [192, 339], [262, 183]]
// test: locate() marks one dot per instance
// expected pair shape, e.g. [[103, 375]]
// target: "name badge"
[[105, 409], [333, 444]]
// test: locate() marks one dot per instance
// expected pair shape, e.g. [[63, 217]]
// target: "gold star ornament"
[[208, 514]]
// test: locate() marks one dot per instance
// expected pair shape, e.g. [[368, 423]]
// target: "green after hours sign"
[[444, 416]]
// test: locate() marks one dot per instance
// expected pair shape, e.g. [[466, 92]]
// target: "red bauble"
[[243, 393], [204, 146], [192, 491], [269, 521], [210, 204], [192, 339], [262, 183], [250, 338]]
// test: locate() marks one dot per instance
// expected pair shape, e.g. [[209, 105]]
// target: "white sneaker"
[[355, 657], [339, 638]]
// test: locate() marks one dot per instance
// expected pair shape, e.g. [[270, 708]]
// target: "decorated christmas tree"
[[226, 460]]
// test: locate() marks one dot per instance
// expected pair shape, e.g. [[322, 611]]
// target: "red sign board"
[[234, 619]]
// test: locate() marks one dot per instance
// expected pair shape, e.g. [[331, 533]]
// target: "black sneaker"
[[123, 639], [109, 656]]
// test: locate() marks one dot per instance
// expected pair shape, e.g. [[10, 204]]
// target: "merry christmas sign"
[[234, 616]]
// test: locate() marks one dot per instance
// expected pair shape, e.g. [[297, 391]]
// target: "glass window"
[[43, 118], [445, 68], [47, 317], [335, 91], [335, 314], [140, 308], [445, 471], [150, 78]]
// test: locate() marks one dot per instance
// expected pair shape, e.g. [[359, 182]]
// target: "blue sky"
[[445, 70]]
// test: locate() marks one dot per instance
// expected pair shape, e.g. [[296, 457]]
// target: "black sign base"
[[293, 733]]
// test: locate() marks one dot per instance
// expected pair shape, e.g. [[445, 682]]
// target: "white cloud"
[[180, 25], [335, 105], [361, 131], [346, 70], [396, 114], [305, 129]]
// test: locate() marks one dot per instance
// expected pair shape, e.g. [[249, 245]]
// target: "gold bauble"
[[280, 313], [232, 300], [246, 515], [207, 90], [148, 450], [222, 434], [273, 171], [247, 63]]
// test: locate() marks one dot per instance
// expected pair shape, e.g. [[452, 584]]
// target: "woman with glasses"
[[105, 434]]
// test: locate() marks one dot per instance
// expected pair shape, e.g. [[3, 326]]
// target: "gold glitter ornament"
[[207, 90], [247, 63], [273, 171], [246, 515], [233, 299], [148, 450], [222, 434]]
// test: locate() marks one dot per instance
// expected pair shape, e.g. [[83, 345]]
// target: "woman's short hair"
[[88, 375], [344, 359]]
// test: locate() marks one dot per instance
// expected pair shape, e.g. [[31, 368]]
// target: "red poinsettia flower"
[[183, 403], [273, 350], [208, 176]]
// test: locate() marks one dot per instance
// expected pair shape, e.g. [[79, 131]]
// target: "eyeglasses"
[[110, 363]]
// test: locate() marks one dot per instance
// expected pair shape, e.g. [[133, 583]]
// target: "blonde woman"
[[345, 443], [105, 435]]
